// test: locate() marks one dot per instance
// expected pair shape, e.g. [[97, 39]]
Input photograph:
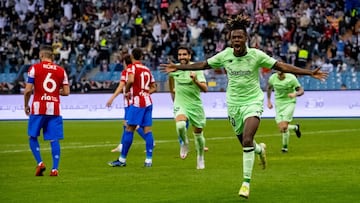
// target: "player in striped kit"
[[121, 89], [48, 81], [139, 85]]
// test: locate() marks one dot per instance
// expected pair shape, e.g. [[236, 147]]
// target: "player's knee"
[[247, 141], [197, 130], [283, 130], [283, 127], [181, 125]]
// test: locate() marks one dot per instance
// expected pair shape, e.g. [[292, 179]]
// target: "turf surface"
[[322, 166]]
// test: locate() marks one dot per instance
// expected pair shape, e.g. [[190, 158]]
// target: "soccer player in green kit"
[[243, 94], [185, 88], [287, 88]]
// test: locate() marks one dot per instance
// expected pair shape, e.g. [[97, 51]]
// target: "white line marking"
[[79, 145]]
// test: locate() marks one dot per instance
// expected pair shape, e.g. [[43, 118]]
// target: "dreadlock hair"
[[241, 21]]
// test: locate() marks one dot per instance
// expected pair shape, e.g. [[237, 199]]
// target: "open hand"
[[168, 68], [320, 75]]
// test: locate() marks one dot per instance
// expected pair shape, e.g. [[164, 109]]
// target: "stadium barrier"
[[92, 106]]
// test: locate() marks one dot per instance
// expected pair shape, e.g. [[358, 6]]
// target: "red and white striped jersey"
[[143, 78], [47, 79], [123, 79]]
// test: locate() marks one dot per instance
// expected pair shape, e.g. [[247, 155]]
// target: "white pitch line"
[[79, 145]]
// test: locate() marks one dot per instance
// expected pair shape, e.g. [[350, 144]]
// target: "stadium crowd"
[[90, 36]]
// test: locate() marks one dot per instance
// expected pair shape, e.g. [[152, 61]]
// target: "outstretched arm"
[[203, 65], [288, 68]]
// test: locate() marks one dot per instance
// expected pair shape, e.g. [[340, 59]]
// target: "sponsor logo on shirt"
[[240, 72], [46, 97]]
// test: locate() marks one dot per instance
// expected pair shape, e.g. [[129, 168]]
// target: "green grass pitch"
[[322, 166]]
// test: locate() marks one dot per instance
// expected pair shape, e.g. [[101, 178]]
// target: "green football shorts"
[[238, 114]]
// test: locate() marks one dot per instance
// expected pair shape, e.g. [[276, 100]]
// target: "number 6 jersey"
[[47, 78]]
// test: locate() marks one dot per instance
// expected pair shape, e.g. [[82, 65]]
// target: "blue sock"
[[122, 135], [149, 144], [55, 151], [127, 140], [180, 140], [35, 148], [140, 130]]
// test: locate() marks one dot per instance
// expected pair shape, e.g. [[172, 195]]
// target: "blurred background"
[[89, 38]]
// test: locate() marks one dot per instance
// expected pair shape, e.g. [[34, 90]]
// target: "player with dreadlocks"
[[244, 96]]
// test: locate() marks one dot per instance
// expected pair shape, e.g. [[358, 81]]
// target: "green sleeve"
[[265, 60]]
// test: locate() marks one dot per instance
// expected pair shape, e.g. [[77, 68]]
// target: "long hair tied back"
[[241, 21]]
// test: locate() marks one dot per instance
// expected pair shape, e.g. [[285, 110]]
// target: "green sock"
[[199, 143], [257, 148], [292, 127], [181, 131], [248, 162], [285, 138]]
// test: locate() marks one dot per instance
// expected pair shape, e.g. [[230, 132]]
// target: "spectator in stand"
[[340, 49], [195, 32], [164, 7], [202, 22], [194, 10], [231, 7], [93, 54], [334, 20], [215, 10], [79, 20], [67, 6], [327, 66]]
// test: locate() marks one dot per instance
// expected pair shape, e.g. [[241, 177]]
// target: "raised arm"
[[288, 68]]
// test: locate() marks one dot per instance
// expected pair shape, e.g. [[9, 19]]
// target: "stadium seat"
[[116, 76], [102, 76], [7, 77], [2, 77]]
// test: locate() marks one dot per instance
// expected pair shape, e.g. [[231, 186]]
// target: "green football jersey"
[[243, 74], [283, 87], [187, 93]]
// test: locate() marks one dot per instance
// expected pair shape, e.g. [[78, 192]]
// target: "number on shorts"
[[232, 121]]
